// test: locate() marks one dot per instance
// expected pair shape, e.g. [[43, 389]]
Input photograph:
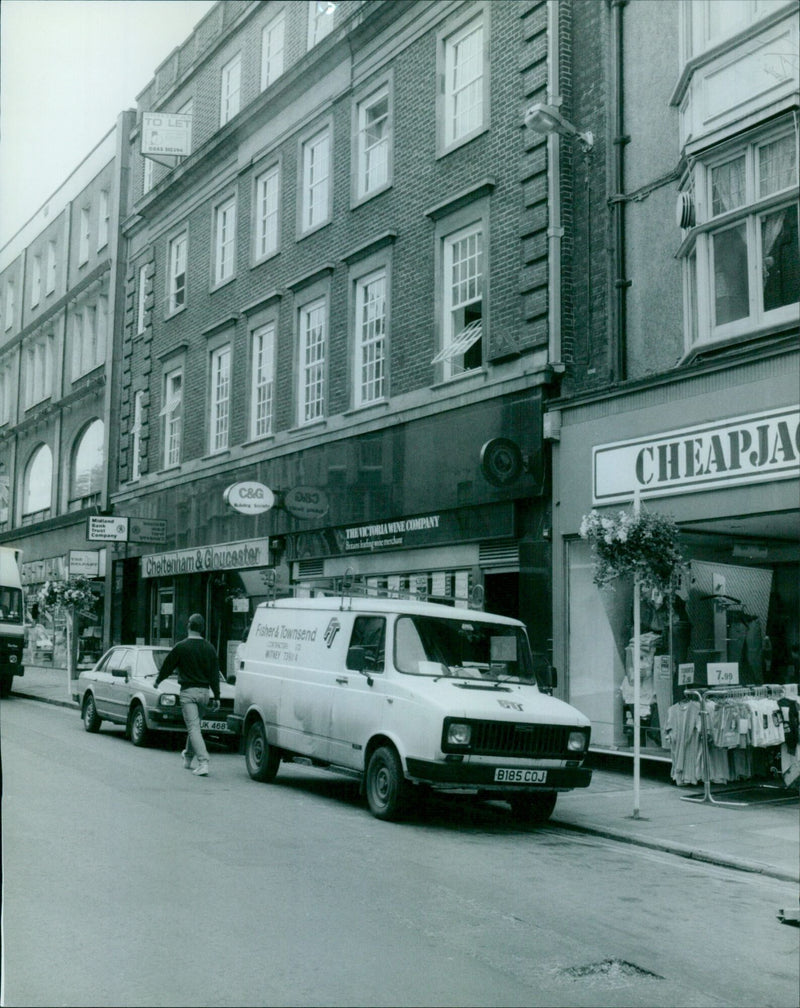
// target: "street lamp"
[[547, 119]]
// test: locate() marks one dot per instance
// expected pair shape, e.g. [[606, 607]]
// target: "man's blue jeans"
[[193, 703]]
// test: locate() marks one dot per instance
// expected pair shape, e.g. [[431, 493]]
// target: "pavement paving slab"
[[758, 835]]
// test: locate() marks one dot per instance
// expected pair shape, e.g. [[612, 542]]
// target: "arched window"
[[87, 462], [38, 483]]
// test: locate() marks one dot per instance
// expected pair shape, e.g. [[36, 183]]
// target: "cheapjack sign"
[[746, 449]]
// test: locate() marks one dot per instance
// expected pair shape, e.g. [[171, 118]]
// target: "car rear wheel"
[[533, 808], [91, 719], [261, 758], [137, 726], [388, 792]]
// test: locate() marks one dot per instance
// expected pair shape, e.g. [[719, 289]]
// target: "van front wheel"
[[261, 758], [388, 791]]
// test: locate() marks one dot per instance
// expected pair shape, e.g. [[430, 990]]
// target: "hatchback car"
[[120, 688]]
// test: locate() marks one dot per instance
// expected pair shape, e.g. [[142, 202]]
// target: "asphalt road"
[[128, 881]]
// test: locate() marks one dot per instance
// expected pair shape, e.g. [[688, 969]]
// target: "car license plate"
[[510, 775], [214, 725]]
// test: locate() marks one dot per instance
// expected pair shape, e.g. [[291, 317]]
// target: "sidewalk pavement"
[[760, 836]]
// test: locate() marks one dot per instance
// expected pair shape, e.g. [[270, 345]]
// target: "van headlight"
[[167, 700], [458, 733], [576, 741]]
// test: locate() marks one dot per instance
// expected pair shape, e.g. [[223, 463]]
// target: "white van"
[[404, 694]]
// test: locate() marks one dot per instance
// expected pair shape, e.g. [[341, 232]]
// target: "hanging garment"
[[718, 767], [745, 646], [790, 710], [682, 735]]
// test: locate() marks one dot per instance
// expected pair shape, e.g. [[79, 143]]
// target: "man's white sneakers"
[[201, 770]]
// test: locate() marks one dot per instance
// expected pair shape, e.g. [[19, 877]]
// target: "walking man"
[[198, 672]]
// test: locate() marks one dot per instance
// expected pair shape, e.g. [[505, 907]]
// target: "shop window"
[[88, 465], [39, 370], [263, 373], [36, 280], [219, 424], [83, 236], [50, 281], [141, 301], [102, 219], [462, 284], [225, 241], [320, 20], [743, 250], [37, 484], [313, 325], [272, 45], [7, 390], [370, 339], [176, 298], [266, 216], [136, 434], [231, 89], [464, 73], [5, 493], [374, 130], [172, 417], [316, 181]]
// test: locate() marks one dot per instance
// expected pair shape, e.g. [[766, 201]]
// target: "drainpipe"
[[617, 200], [555, 231]]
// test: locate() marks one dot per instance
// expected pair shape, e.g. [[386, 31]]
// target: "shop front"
[[223, 582], [47, 637], [717, 452]]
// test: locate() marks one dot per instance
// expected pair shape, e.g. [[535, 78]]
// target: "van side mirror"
[[550, 680], [121, 673], [357, 658]]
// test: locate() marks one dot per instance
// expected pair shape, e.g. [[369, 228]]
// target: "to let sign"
[[107, 529]]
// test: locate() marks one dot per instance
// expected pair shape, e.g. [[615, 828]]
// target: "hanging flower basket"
[[645, 545], [76, 593]]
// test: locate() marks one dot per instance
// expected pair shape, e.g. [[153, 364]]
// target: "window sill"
[[378, 406], [322, 422], [221, 283], [172, 314], [313, 230], [358, 201], [259, 441], [444, 149], [475, 376]]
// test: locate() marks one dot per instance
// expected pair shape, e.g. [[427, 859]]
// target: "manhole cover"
[[609, 971]]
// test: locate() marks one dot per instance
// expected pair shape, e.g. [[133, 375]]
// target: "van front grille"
[[522, 740]]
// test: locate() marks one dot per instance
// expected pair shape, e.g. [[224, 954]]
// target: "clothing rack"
[[722, 693]]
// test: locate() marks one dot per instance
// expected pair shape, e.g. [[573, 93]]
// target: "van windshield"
[[465, 649]]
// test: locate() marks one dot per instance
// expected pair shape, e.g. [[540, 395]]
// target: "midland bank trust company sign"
[[749, 449]]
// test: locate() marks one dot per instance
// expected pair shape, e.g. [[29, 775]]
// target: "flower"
[[643, 544], [76, 594]]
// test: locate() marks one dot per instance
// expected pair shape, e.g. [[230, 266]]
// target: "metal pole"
[[637, 648]]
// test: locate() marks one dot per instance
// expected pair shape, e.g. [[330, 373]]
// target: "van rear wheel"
[[261, 758], [388, 792]]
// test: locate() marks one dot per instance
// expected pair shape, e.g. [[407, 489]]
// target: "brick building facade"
[[60, 284], [342, 290]]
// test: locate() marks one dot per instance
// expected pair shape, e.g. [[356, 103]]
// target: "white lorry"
[[12, 619], [405, 695]]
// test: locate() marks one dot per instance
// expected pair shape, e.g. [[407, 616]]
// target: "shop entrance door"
[[163, 617]]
